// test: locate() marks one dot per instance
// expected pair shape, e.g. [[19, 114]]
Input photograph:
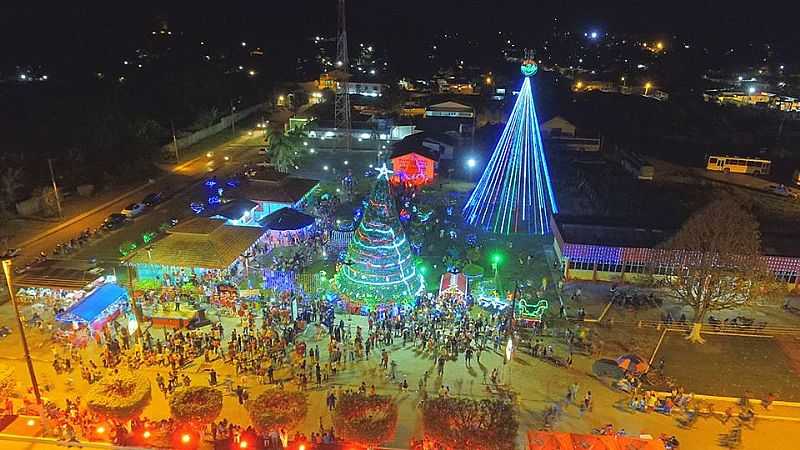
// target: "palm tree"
[[285, 149], [10, 183]]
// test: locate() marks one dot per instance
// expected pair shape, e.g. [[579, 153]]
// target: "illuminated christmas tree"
[[514, 194], [379, 266]]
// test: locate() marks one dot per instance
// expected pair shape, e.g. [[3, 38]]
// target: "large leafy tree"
[[716, 263], [487, 424]]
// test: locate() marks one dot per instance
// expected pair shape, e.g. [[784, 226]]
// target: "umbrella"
[[632, 363]]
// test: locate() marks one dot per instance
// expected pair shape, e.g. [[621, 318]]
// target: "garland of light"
[[514, 194]]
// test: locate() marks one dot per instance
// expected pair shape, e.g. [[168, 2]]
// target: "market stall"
[[453, 287], [97, 308], [287, 226]]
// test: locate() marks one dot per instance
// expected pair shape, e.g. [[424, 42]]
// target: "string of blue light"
[[515, 193]]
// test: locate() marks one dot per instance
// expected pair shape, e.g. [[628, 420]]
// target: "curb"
[[81, 216]]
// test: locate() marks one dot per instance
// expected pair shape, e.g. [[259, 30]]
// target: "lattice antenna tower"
[[342, 104]]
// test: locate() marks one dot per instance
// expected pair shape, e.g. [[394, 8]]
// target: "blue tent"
[[95, 304]]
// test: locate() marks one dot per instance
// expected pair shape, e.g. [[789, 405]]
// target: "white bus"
[[739, 164]]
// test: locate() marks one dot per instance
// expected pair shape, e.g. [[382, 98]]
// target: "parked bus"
[[738, 164]]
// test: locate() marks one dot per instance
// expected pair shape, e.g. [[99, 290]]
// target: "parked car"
[[133, 210], [152, 199], [114, 221], [10, 253]]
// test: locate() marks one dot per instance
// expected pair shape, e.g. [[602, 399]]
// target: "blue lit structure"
[[514, 194]]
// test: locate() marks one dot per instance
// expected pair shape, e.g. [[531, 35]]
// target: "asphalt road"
[[177, 184]]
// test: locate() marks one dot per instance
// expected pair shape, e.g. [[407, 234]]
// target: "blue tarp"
[[91, 307]]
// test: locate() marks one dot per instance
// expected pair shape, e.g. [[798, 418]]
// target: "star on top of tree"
[[384, 172]]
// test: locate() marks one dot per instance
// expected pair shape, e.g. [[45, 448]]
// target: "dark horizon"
[[71, 36]]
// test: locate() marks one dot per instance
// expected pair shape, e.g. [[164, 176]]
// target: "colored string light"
[[379, 267], [515, 194]]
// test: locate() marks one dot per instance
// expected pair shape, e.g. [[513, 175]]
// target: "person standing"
[[468, 356], [441, 366]]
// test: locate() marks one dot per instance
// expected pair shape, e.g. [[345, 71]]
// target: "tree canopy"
[[487, 424], [715, 261]]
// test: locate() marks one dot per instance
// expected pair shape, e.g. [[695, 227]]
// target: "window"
[[634, 267], [581, 265], [712, 160], [665, 269], [609, 267], [786, 276]]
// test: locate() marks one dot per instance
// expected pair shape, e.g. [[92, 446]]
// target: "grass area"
[[729, 366]]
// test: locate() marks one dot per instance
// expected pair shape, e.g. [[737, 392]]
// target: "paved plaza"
[[536, 385]]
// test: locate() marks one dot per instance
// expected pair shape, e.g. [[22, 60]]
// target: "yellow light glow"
[[579, 84], [659, 45], [186, 438]]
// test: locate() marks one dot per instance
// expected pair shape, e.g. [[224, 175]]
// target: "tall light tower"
[[342, 104]]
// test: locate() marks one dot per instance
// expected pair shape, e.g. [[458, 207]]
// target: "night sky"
[[70, 34]]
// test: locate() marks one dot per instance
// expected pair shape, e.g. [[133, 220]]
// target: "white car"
[[133, 210]]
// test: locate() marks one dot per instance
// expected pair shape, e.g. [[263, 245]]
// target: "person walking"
[[573, 392], [440, 369], [468, 356]]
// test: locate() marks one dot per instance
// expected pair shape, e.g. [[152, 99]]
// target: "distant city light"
[[23, 77], [593, 35], [741, 78], [659, 45], [372, 72], [325, 167], [244, 44], [251, 72], [346, 162]]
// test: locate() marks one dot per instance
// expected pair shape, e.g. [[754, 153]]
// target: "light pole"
[[55, 187], [7, 270]]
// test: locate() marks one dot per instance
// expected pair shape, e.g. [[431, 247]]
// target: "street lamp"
[[7, 270], [647, 87], [471, 163]]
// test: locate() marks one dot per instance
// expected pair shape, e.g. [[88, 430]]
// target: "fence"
[[199, 135]]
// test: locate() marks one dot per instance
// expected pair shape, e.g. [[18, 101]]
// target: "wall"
[[224, 123]]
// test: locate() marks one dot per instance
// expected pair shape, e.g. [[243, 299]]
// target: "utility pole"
[[25, 349], [137, 313], [174, 142], [55, 187], [233, 118]]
